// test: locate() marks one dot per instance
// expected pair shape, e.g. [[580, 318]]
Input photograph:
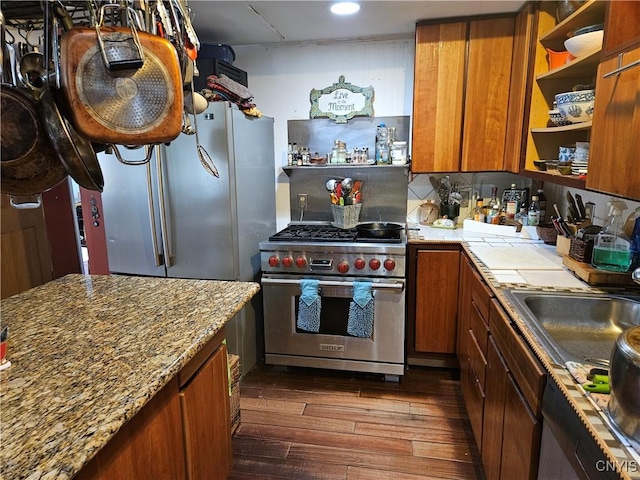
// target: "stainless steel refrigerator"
[[171, 218]]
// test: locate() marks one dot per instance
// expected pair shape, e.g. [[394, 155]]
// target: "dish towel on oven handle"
[[360, 321], [309, 306]]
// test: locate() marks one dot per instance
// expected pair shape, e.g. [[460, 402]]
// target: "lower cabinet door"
[[521, 436], [473, 399], [206, 420], [493, 420]]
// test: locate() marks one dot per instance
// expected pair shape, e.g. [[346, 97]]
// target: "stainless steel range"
[[337, 259]]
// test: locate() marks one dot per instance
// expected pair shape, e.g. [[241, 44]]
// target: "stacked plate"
[[580, 163]]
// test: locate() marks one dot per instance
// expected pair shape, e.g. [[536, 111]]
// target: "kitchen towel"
[[360, 321], [309, 306]]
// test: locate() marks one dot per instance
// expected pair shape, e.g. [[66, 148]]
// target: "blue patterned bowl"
[[576, 107]]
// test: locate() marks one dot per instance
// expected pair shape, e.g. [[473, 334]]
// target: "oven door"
[[332, 347]]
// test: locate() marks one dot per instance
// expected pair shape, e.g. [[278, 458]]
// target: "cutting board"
[[593, 276], [514, 258]]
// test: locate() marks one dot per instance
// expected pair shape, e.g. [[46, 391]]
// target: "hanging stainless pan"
[[74, 151]]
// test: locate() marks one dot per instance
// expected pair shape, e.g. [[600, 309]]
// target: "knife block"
[[563, 245]]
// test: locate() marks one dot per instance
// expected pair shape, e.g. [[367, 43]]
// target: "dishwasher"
[[568, 450]]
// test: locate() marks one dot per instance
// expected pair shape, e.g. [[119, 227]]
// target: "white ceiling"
[[276, 22]]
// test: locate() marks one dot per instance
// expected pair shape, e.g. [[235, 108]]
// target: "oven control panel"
[[359, 264]]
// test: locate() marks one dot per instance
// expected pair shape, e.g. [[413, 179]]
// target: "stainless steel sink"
[[578, 327]]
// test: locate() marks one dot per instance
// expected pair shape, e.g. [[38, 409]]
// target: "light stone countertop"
[[479, 246], [88, 352]]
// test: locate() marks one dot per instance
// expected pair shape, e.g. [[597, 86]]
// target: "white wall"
[[282, 77]]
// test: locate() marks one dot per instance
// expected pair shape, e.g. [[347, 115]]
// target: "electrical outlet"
[[302, 200]]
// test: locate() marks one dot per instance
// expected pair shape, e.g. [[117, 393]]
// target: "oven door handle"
[[325, 283]]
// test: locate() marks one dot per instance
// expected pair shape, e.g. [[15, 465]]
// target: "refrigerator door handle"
[[166, 240], [152, 216]]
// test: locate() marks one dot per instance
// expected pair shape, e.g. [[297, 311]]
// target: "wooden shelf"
[[554, 176], [566, 128], [580, 67], [591, 13]]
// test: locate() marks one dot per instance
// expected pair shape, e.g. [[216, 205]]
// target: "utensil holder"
[[346, 216], [581, 250]]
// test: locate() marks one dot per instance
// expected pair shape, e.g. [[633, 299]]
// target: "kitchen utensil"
[[347, 185], [128, 107], [597, 387], [75, 152], [581, 210], [205, 159], [32, 71], [29, 164], [378, 229], [573, 208], [624, 378], [331, 184]]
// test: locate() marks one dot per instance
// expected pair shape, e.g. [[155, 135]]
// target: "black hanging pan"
[[74, 151], [379, 229]]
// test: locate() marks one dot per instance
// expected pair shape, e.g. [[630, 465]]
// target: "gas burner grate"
[[314, 233]]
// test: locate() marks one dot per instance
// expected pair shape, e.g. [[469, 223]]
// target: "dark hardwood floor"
[[316, 424]]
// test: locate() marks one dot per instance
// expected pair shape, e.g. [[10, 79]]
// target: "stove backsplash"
[[384, 192]]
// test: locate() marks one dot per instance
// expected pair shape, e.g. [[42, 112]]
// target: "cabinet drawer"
[[477, 359], [481, 295], [525, 368], [480, 327], [474, 401]]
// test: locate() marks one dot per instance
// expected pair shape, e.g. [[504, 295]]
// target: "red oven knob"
[[343, 267], [374, 264], [301, 262], [359, 263], [274, 261], [389, 264], [287, 262]]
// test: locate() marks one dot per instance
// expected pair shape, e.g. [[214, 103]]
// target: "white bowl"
[[577, 106], [584, 44]]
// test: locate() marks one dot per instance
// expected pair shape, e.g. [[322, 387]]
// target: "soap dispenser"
[[612, 248]]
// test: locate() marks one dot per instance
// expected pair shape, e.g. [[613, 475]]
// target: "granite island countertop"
[[87, 352], [544, 273]]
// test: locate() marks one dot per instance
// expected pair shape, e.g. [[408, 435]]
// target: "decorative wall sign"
[[342, 101]]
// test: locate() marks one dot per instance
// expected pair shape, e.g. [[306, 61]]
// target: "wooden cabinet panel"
[[205, 417], [438, 96], [493, 419], [149, 446], [621, 26], [464, 307], [26, 259], [525, 368], [522, 41], [615, 149], [474, 401], [477, 359], [488, 78], [436, 300], [521, 436]]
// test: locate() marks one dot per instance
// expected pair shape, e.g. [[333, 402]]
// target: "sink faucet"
[[636, 275]]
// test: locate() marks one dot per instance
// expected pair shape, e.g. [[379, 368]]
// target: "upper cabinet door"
[[438, 97], [615, 149], [487, 94]]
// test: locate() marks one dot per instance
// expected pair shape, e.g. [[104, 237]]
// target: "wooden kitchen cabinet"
[[461, 95], [205, 418], [473, 336], [149, 446], [183, 432], [615, 149], [515, 380], [433, 303]]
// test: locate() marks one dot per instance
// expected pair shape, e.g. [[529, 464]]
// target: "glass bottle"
[[495, 215], [611, 247], [342, 152], [382, 145], [334, 151], [542, 201], [494, 198], [522, 217], [533, 215], [478, 214], [290, 154]]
